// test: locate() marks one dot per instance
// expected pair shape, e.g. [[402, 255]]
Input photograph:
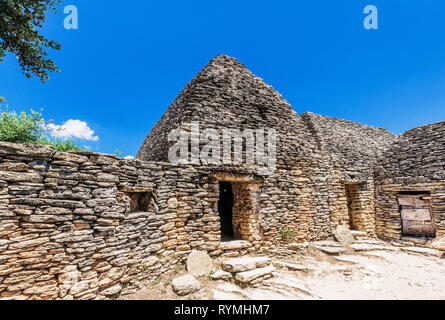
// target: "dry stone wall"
[[83, 225], [415, 164], [69, 227]]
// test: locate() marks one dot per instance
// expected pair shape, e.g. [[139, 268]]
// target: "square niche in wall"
[[140, 201]]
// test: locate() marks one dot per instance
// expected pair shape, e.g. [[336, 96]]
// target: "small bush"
[[22, 128], [64, 146], [30, 128], [287, 234]]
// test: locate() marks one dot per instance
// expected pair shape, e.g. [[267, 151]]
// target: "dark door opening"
[[353, 204], [225, 209]]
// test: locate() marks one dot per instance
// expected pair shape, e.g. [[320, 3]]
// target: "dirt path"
[[369, 274]]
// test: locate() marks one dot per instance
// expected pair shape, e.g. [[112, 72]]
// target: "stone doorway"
[[354, 206], [225, 210], [238, 207]]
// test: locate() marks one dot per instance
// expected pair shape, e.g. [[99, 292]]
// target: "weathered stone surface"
[[423, 251], [235, 245], [291, 266], [331, 250], [185, 285], [343, 235], [245, 264], [20, 177], [358, 234], [114, 290], [221, 275], [438, 243], [172, 203], [79, 288], [199, 263], [371, 247], [298, 246], [13, 166], [29, 150], [249, 276]]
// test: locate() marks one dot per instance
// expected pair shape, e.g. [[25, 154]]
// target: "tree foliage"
[[30, 128], [20, 25]]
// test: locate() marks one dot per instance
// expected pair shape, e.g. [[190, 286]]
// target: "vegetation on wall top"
[[30, 128]]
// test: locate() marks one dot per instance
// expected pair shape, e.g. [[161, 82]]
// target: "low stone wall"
[[83, 225], [91, 226]]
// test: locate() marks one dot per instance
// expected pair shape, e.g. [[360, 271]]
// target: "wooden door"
[[417, 216]]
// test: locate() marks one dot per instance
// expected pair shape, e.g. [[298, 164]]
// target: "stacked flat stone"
[[415, 163], [249, 271]]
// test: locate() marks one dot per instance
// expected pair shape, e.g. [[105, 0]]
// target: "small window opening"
[[140, 201]]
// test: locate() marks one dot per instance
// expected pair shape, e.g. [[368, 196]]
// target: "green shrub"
[[30, 128], [64, 146], [22, 128], [287, 234]]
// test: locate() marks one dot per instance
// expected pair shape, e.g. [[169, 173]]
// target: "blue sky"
[[128, 61]]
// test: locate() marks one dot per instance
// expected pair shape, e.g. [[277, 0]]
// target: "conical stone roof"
[[225, 94]]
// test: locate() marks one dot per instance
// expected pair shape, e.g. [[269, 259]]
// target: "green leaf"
[[21, 22]]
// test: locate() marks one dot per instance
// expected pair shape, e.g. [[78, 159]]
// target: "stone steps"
[[254, 277], [247, 271], [329, 247], [298, 246], [372, 247], [235, 248], [359, 235], [245, 264]]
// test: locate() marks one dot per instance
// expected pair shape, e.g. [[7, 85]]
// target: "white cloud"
[[129, 158], [72, 129]]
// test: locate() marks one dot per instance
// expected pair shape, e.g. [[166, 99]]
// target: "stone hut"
[[247, 174], [324, 169], [410, 180]]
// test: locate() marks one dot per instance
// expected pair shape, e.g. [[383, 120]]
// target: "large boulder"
[[185, 285], [343, 235], [199, 263]]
